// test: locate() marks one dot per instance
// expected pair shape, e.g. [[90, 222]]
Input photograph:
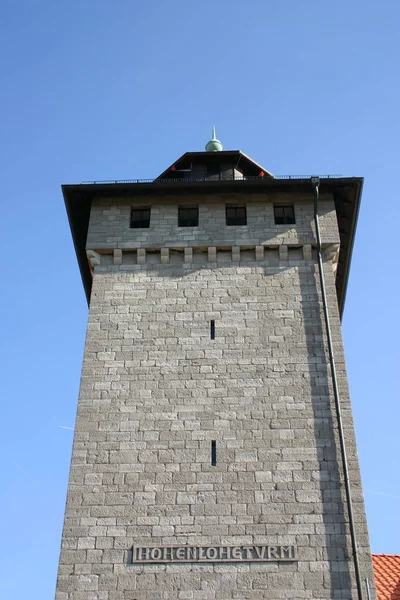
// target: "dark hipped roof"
[[346, 193], [239, 159]]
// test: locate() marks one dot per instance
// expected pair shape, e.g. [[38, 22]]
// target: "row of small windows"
[[188, 216]]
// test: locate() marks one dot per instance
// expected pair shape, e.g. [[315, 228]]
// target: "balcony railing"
[[208, 179]]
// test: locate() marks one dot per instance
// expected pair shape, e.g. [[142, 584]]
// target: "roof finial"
[[214, 145]]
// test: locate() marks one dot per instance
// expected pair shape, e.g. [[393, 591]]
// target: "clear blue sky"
[[97, 90]]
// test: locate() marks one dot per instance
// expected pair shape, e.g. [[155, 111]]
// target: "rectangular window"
[[236, 215], [213, 453], [212, 330], [188, 216], [284, 215], [140, 218]]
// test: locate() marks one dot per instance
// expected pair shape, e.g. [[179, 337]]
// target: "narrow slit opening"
[[213, 453], [212, 329]]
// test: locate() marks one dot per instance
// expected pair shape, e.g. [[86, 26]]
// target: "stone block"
[[259, 253], [188, 255], [164, 256], [93, 258], [235, 253], [117, 256], [163, 531], [212, 254], [141, 256], [307, 252], [283, 252]]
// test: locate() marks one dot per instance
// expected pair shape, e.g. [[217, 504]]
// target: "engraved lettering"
[[191, 553], [212, 553], [144, 553], [225, 553], [286, 552], [260, 551], [273, 552], [236, 552], [249, 554], [167, 553], [155, 553]]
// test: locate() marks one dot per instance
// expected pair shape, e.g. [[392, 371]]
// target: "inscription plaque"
[[167, 554]]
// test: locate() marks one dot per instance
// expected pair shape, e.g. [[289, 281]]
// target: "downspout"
[[315, 185], [368, 590]]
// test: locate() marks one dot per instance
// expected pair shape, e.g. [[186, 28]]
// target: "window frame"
[[188, 218], [144, 223], [233, 221], [284, 219]]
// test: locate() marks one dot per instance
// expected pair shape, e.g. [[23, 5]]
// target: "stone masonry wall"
[[110, 219], [156, 390]]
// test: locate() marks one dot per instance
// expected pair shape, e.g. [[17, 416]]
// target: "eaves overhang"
[[346, 192]]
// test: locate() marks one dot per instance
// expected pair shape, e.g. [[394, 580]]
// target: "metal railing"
[[210, 179]]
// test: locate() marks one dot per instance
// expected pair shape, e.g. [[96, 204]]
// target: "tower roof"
[[246, 165]]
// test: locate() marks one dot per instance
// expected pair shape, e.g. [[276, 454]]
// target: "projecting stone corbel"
[[212, 254], [307, 252], [141, 256], [188, 254], [117, 257], [235, 253], [259, 253], [164, 256], [331, 253], [283, 252], [93, 258]]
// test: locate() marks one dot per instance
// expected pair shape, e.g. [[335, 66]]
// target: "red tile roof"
[[387, 576]]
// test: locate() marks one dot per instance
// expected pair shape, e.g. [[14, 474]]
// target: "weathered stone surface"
[[141, 256], [283, 252], [188, 255], [156, 391], [110, 228], [259, 250], [164, 256], [117, 260], [307, 252]]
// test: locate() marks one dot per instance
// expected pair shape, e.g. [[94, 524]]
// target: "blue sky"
[[100, 90]]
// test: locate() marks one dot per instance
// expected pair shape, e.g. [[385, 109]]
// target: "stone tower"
[[214, 455]]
